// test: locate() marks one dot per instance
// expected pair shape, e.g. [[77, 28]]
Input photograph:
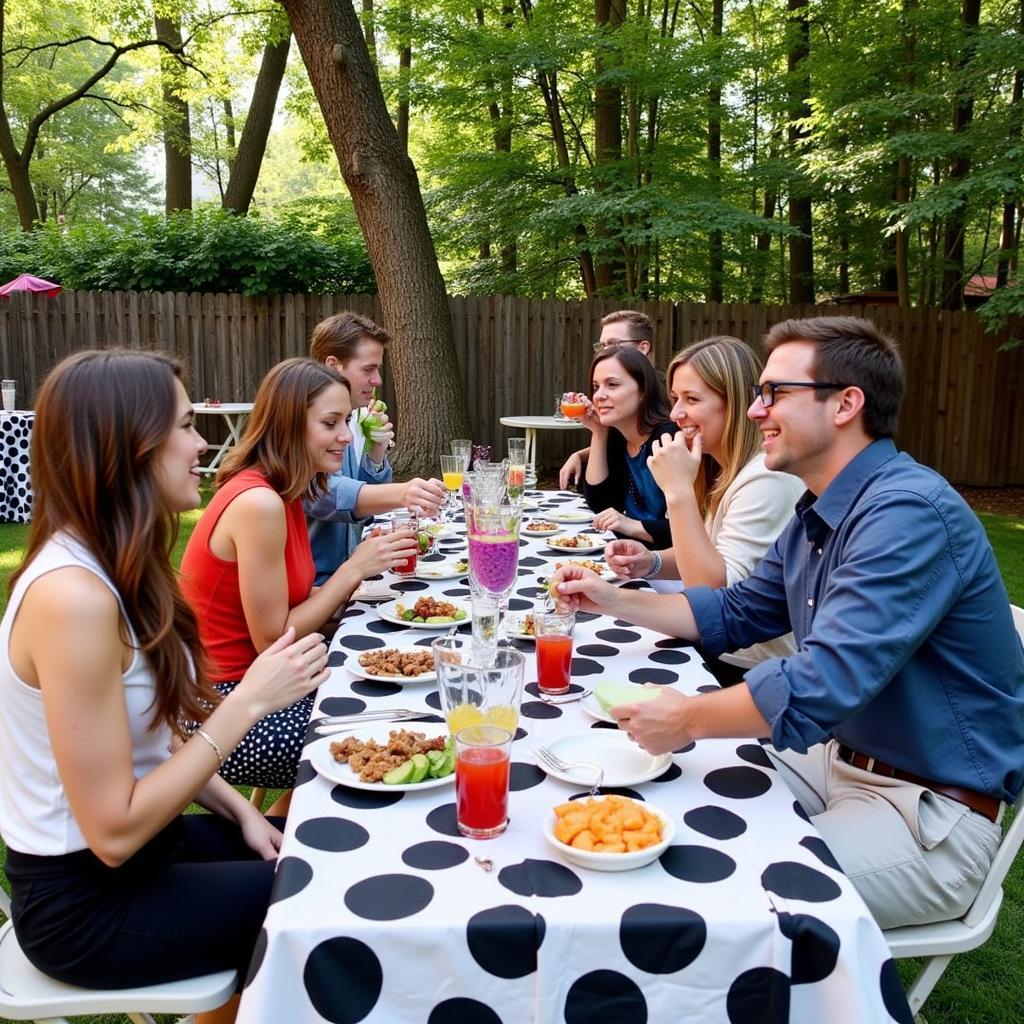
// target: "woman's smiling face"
[[327, 432], [697, 407], [616, 396]]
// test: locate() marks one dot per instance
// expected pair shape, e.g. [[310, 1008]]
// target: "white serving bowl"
[[612, 861]]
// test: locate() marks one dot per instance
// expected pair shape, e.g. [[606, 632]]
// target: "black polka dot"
[[353, 613], [458, 592], [820, 849], [524, 776], [618, 636], [364, 799], [433, 699], [661, 939], [517, 604], [603, 725], [360, 642], [661, 676], [539, 709], [697, 863], [532, 592], [815, 947], [716, 822], [738, 783], [540, 878], [586, 667], [504, 940], [442, 819], [587, 616], [670, 774], [534, 689], [633, 794], [597, 650], [708, 687], [305, 773], [380, 626], [635, 585], [409, 586], [799, 882], [532, 561], [893, 996], [365, 688], [434, 855], [669, 657], [341, 706], [337, 835], [389, 897], [754, 753], [759, 996], [799, 811], [292, 875], [685, 750], [462, 1011], [605, 996], [259, 951], [343, 979]]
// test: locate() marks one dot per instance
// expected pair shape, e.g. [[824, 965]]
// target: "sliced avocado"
[[419, 618], [459, 615], [439, 618], [436, 761], [401, 775], [420, 766], [408, 615], [610, 695], [448, 765]]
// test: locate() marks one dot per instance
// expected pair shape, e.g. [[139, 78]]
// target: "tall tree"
[[801, 242], [1008, 234], [177, 128], [609, 15], [385, 191], [716, 262]]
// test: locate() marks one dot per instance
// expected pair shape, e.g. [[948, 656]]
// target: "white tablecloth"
[[381, 913]]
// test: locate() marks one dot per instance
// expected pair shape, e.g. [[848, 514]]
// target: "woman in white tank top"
[[99, 664]]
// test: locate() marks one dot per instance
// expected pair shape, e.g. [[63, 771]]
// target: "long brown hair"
[[101, 419], [274, 441], [653, 408], [729, 367]]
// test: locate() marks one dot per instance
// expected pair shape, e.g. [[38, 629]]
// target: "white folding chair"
[[26, 994], [941, 941]]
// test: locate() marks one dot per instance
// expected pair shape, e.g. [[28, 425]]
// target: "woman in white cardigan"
[[724, 507]]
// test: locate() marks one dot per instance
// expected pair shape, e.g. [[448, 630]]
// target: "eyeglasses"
[[770, 388], [614, 343]]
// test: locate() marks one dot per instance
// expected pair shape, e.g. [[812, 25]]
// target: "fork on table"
[[553, 761]]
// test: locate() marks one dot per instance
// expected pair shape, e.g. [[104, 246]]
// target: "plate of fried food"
[[394, 665], [540, 528], [580, 543], [520, 626], [384, 758], [425, 613], [609, 833]]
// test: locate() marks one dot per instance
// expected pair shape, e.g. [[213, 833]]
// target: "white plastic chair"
[[26, 994], [941, 941]]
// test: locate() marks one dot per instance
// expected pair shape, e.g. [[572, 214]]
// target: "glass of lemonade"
[[478, 685], [452, 469]]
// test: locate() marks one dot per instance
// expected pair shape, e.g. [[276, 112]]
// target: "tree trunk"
[[404, 68], [230, 139], [609, 16], [177, 130], [16, 167], [245, 170], [801, 246], [385, 192], [370, 30], [904, 165], [1008, 234], [960, 165], [716, 263]]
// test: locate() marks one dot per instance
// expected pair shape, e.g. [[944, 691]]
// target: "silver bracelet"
[[213, 746], [656, 568]]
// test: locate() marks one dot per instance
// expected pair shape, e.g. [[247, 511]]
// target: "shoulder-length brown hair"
[[729, 367], [101, 419], [274, 441], [653, 408]]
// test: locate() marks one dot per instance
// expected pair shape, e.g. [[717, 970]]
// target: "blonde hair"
[[729, 367]]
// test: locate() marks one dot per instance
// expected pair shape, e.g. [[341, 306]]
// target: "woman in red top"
[[248, 569]]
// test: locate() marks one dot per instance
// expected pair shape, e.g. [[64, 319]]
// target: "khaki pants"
[[914, 856]]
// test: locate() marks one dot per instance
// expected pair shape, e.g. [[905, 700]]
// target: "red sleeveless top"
[[210, 584]]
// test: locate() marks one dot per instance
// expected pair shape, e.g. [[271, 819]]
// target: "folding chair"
[[27, 994], [941, 941]]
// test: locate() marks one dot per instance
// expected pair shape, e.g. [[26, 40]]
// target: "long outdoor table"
[[381, 911]]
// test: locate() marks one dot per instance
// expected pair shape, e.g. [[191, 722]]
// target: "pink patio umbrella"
[[28, 283]]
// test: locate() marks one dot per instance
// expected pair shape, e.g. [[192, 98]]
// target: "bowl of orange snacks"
[[609, 833]]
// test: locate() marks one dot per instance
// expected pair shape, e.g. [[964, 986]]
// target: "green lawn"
[[983, 987]]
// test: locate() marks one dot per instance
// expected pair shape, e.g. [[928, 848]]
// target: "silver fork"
[[383, 714], [545, 757]]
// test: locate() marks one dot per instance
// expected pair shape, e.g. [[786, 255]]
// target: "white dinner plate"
[[514, 627], [439, 570], [570, 516], [334, 771], [375, 590], [624, 763], [389, 613], [352, 664], [439, 529], [597, 544], [591, 706], [525, 532]]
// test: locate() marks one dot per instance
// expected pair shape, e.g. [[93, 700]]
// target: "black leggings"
[[190, 902]]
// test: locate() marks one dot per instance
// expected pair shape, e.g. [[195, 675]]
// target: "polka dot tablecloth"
[[381, 912], [15, 476]]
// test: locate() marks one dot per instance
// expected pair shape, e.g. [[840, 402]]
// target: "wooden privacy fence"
[[963, 412]]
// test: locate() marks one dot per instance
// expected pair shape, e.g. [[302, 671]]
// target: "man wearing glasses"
[[623, 327], [899, 722]]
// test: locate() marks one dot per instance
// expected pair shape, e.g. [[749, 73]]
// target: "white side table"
[[234, 415], [531, 424]]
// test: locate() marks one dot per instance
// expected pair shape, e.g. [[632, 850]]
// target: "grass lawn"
[[983, 987]]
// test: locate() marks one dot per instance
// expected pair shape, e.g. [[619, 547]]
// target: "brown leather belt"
[[989, 806]]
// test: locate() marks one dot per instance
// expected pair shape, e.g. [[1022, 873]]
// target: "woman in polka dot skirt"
[[248, 569], [725, 508], [100, 662]]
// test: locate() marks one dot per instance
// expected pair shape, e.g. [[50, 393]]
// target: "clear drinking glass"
[[478, 685], [405, 521], [492, 529], [463, 447], [7, 395], [482, 761], [516, 467], [452, 470], [553, 633]]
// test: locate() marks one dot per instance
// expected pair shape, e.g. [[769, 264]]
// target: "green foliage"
[[205, 251]]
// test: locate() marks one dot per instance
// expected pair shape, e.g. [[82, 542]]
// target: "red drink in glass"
[[481, 780], [408, 564], [554, 662]]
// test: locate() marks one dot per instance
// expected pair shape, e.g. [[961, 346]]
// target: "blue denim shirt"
[[330, 518], [907, 649]]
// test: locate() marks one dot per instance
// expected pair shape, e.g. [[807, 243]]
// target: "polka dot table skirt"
[[381, 912], [15, 475]]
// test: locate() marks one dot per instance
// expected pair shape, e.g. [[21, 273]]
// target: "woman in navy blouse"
[[627, 411]]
